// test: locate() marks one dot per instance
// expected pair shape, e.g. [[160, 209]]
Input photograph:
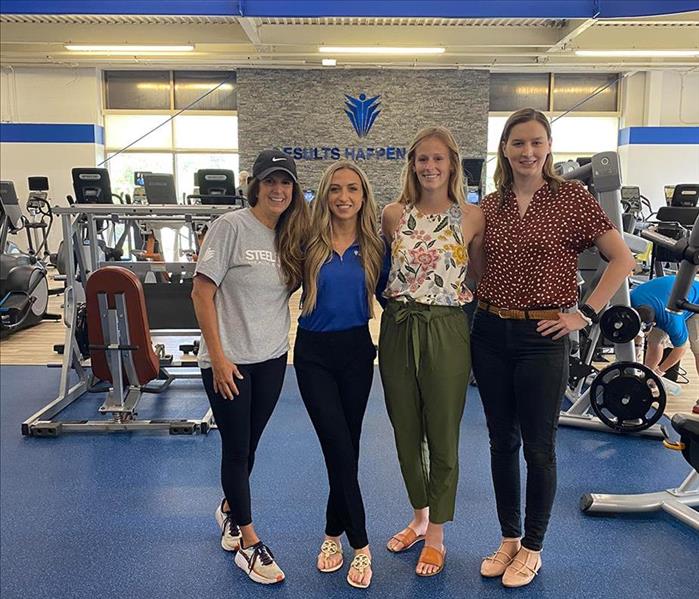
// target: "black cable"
[[598, 91], [199, 99]]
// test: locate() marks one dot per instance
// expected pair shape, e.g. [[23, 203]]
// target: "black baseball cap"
[[271, 161]]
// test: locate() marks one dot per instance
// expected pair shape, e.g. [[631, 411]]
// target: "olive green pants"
[[425, 361]]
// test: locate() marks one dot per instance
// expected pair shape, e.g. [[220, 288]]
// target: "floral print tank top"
[[429, 259]]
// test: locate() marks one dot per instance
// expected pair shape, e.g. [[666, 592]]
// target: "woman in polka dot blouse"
[[536, 225]]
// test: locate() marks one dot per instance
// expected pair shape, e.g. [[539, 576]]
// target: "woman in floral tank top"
[[424, 355]]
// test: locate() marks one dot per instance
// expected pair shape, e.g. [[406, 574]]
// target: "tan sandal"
[[519, 573], [496, 563], [432, 557], [360, 562], [328, 549], [408, 537]]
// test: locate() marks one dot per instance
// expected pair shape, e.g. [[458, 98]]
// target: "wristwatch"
[[588, 311]]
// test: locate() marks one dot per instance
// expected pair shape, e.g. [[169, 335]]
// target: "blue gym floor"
[[131, 515]]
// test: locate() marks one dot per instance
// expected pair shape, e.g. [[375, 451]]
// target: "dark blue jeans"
[[521, 377]]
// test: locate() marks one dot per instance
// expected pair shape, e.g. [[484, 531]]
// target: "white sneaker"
[[230, 532], [258, 563]]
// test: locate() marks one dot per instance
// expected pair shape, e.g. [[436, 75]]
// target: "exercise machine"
[[24, 290], [38, 225], [626, 396], [166, 310], [679, 501], [216, 187]]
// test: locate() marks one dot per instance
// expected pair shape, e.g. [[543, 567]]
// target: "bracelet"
[[587, 319]]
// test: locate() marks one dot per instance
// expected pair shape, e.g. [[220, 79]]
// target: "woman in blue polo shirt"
[[334, 354]]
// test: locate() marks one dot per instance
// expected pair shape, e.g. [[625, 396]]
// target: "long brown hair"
[[289, 234], [503, 171], [320, 247], [411, 186]]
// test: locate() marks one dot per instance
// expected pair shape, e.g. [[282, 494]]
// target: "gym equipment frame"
[[80, 235], [603, 178], [677, 502]]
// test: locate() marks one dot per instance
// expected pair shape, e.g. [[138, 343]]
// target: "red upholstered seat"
[[114, 280]]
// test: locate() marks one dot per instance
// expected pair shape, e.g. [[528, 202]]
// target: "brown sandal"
[[408, 537], [432, 557]]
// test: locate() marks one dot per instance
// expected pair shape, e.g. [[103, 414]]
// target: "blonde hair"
[[320, 246], [411, 186], [289, 234], [503, 176]]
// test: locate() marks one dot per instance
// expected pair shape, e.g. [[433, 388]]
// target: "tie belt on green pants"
[[424, 359]]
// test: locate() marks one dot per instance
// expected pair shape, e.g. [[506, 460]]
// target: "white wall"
[[651, 167], [35, 95], [660, 99]]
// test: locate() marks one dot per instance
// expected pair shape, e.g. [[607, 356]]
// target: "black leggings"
[[521, 378], [241, 421], [334, 372]]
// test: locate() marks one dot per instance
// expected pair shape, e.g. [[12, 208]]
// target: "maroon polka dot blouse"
[[532, 262]]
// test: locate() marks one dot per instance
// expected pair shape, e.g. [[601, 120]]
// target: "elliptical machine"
[[24, 289], [38, 226]]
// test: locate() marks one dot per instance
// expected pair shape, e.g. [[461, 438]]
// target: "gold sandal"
[[360, 563], [328, 549]]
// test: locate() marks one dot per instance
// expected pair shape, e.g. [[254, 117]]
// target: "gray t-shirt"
[[252, 301]]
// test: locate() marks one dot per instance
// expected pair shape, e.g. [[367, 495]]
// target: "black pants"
[[521, 377], [241, 421], [334, 372]]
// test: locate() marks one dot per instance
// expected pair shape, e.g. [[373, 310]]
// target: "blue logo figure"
[[362, 112]]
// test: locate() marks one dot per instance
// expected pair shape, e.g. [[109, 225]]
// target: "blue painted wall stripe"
[[53, 133], [358, 8], [659, 136]]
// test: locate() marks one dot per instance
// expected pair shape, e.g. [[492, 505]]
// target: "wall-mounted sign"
[[362, 112], [347, 153]]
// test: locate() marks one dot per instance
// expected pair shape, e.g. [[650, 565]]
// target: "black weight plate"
[[620, 324], [628, 397]]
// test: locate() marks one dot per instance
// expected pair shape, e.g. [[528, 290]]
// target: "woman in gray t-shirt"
[[249, 264]]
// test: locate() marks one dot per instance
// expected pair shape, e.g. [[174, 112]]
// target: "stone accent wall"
[[305, 110]]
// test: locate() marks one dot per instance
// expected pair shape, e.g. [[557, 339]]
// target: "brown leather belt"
[[536, 314]]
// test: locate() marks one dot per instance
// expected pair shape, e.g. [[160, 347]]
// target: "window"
[[206, 131], [555, 92], [142, 104], [571, 89], [188, 164], [123, 167], [120, 130], [192, 85], [137, 90], [512, 91]]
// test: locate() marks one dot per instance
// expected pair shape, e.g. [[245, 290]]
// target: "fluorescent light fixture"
[[638, 53], [329, 62], [127, 48], [377, 50]]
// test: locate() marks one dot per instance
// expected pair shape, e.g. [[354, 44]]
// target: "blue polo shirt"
[[655, 293], [342, 299]]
